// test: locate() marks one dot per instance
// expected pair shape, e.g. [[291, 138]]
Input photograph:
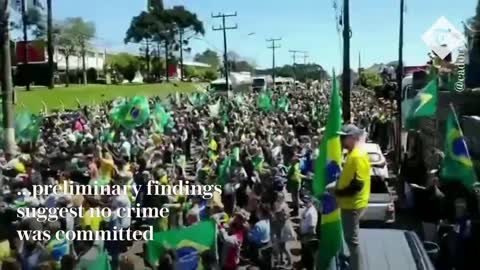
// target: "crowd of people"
[[265, 203]]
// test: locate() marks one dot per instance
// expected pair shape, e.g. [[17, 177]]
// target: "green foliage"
[[370, 79], [191, 72], [301, 72], [142, 27], [124, 63], [35, 22], [170, 27], [208, 57], [210, 75], [81, 32]]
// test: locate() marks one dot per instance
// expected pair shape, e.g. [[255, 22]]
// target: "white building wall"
[[94, 60]]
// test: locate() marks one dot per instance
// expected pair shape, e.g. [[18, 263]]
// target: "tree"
[[50, 46], [66, 44], [142, 30], [82, 32], [208, 57], [210, 75], [31, 19], [370, 79], [34, 21], [188, 26], [7, 84], [125, 63]]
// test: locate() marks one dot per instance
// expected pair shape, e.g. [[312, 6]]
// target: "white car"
[[381, 207], [377, 161]]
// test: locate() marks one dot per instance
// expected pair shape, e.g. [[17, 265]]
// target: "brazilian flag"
[[27, 127], [188, 243], [457, 164], [162, 119], [264, 101], [131, 114], [327, 170]]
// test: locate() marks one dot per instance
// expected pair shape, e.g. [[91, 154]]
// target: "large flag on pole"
[[133, 113], [162, 120], [457, 165], [327, 170], [425, 103], [188, 243], [264, 101], [27, 127]]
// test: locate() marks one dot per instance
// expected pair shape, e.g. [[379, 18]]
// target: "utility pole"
[[51, 68], [273, 46], [398, 95], [305, 57], [359, 65], [294, 56], [26, 69], [181, 54], [305, 68], [7, 84], [224, 28], [346, 80]]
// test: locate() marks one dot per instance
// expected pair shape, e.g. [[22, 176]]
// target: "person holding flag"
[[353, 189]]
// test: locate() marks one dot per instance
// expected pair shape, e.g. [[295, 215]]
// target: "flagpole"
[[456, 119]]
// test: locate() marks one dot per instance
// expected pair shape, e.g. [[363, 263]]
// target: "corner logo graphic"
[[443, 38]]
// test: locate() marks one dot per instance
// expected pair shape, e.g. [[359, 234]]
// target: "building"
[[95, 59]]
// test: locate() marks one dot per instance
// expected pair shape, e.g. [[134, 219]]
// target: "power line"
[[273, 46], [294, 56], [224, 28]]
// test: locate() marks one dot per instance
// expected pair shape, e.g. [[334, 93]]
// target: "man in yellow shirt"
[[353, 189]]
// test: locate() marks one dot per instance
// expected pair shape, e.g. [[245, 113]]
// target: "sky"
[[307, 25]]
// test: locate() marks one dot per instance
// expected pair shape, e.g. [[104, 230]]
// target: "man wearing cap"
[[353, 189]]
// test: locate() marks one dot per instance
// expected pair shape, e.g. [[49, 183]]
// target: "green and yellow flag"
[[264, 102], [27, 127], [327, 170], [457, 164], [188, 243], [132, 113], [162, 120], [425, 103]]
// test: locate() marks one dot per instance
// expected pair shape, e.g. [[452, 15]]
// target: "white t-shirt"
[[126, 148], [309, 220]]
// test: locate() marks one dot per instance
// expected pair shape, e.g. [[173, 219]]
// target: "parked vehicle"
[[389, 249], [261, 83], [377, 161]]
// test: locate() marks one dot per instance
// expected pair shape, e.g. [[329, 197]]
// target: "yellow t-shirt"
[[107, 167], [20, 167], [296, 174], [93, 221], [357, 166], [5, 250]]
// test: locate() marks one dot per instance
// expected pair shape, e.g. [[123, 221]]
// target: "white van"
[[259, 84]]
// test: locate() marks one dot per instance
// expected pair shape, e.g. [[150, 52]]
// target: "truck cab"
[[259, 84]]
